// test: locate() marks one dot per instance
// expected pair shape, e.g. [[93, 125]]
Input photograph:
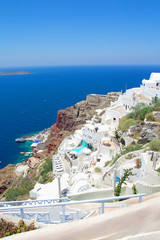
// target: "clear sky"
[[79, 32]]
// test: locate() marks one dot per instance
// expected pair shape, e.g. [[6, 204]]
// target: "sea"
[[29, 103]]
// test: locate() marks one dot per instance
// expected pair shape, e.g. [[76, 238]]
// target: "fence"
[[64, 215]]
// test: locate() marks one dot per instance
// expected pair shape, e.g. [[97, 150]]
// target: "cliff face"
[[7, 177], [74, 117], [68, 121]]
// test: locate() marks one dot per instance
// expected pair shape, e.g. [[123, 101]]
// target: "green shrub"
[[137, 109], [132, 148], [140, 111], [117, 135], [156, 108], [136, 135], [97, 170], [154, 145], [134, 189], [158, 170], [129, 156], [150, 117], [46, 168], [129, 148], [24, 188], [127, 173], [143, 112], [156, 103], [107, 163], [12, 194], [125, 123], [114, 160]]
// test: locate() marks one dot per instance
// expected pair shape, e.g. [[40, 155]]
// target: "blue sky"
[[79, 32]]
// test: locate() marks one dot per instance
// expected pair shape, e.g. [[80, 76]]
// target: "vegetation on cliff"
[[154, 145], [21, 190], [46, 171], [21, 187], [126, 122], [139, 113]]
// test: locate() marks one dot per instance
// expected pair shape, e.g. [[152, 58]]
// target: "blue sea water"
[[29, 103]]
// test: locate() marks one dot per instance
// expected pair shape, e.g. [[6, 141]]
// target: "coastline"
[[25, 148], [38, 111]]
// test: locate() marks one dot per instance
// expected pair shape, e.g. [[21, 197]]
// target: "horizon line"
[[80, 65]]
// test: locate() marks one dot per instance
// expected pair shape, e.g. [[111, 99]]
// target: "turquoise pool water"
[[79, 150]]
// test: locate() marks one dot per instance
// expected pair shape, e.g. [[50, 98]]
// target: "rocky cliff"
[[7, 177], [68, 121], [74, 117]]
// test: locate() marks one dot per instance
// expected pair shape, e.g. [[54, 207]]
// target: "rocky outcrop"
[[7, 177], [157, 116], [74, 117], [102, 101], [148, 131]]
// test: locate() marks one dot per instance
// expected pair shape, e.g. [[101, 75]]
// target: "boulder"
[[147, 135]]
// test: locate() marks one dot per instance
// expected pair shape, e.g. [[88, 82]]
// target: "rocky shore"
[[68, 121]]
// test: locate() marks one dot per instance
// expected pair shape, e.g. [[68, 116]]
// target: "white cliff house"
[[151, 87], [89, 135]]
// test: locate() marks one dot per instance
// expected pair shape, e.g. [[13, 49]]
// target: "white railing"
[[37, 216], [32, 202], [64, 215]]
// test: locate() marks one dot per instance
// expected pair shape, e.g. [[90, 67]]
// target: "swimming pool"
[[79, 150]]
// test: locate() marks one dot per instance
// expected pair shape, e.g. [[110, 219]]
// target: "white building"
[[151, 87], [90, 134]]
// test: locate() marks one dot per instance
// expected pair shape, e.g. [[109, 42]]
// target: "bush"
[[136, 135], [134, 189], [46, 167], [132, 147], [129, 156], [107, 163], [127, 173], [125, 123], [154, 145], [24, 188], [158, 170], [129, 148], [9, 228], [144, 112], [150, 117], [140, 111], [97, 170], [45, 170], [116, 158]]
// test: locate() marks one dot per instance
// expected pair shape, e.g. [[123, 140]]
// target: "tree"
[[127, 173]]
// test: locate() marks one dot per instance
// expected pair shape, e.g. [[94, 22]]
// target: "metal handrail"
[[102, 201], [32, 202]]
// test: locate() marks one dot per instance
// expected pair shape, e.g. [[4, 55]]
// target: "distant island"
[[14, 73]]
